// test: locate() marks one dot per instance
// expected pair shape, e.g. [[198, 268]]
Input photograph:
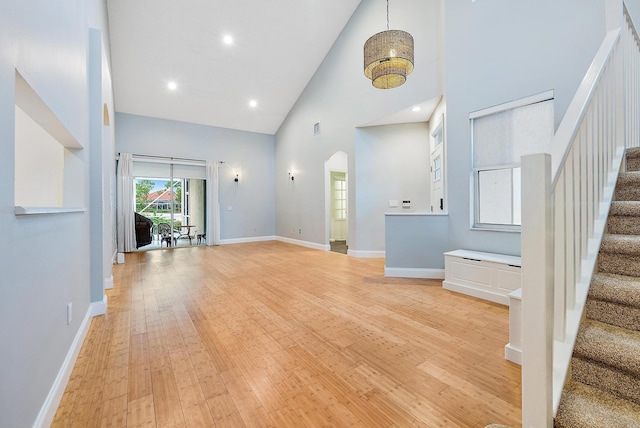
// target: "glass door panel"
[[176, 208]]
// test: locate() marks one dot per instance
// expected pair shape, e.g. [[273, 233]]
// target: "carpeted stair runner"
[[633, 159], [584, 406], [604, 389], [628, 188], [615, 300], [623, 218], [620, 254]]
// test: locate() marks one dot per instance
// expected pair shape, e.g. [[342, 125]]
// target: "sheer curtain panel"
[[213, 206], [126, 224]]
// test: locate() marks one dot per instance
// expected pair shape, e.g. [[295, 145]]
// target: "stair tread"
[[628, 186], [620, 244], [625, 208], [632, 152], [617, 314], [603, 377], [621, 289], [628, 176], [614, 346], [584, 406]]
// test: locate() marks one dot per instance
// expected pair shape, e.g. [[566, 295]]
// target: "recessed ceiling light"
[[253, 103], [172, 86], [227, 39], [416, 108]]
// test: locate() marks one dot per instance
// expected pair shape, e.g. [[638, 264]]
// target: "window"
[[499, 196], [500, 136], [437, 168], [437, 138], [340, 198]]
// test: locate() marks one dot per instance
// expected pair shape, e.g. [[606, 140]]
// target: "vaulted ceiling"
[[276, 47]]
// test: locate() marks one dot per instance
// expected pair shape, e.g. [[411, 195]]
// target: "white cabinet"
[[488, 276]]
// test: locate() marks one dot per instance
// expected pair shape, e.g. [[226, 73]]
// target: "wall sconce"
[[291, 172], [236, 179]]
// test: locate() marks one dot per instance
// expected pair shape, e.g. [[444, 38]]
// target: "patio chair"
[[165, 233], [182, 234]]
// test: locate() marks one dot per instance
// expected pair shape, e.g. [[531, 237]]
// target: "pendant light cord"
[[387, 15]]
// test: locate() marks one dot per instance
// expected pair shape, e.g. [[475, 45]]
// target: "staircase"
[[604, 385]]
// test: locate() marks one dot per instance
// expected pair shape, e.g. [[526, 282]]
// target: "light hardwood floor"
[[271, 334]]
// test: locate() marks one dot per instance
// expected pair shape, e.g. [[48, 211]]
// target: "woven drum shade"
[[388, 58]]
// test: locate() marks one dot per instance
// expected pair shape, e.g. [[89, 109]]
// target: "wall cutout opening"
[[48, 162]]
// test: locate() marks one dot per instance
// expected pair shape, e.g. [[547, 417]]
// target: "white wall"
[[341, 98], [251, 199], [633, 6], [498, 51], [44, 261], [392, 163]]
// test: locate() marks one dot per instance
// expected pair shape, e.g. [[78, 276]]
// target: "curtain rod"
[[166, 158]]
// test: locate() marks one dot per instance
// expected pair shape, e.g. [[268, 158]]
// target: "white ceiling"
[[278, 45]]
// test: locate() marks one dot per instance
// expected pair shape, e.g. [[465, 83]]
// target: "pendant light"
[[388, 57]]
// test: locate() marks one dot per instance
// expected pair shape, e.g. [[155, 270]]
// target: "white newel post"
[[537, 292]]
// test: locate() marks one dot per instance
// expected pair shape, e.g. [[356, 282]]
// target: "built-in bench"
[[488, 276]]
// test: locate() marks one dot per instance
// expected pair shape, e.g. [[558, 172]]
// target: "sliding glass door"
[[171, 199]]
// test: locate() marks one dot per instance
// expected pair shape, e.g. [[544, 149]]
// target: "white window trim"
[[476, 225]]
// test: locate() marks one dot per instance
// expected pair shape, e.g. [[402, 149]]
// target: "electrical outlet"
[[299, 231], [69, 313]]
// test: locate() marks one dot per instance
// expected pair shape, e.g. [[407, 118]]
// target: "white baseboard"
[[306, 244], [108, 283], [475, 292], [323, 247], [367, 254], [246, 240], [99, 308], [414, 273], [51, 403], [513, 354]]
